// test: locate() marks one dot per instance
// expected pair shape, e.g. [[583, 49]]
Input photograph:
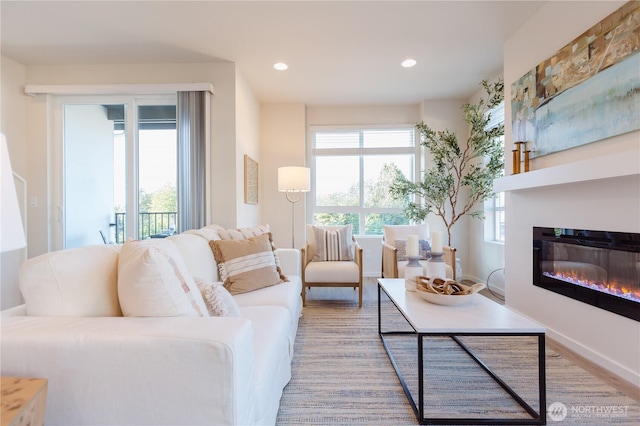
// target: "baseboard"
[[622, 372], [494, 288]]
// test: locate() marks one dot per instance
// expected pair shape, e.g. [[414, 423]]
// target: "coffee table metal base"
[[537, 417]]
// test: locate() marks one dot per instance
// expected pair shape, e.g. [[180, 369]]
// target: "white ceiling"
[[342, 52]]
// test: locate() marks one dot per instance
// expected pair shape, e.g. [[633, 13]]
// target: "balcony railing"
[[150, 225]]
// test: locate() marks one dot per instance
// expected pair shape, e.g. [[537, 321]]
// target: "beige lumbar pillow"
[[154, 282], [247, 265]]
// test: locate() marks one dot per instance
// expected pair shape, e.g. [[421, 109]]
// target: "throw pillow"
[[154, 282], [247, 265], [424, 249], [242, 233], [219, 301], [332, 244], [77, 282]]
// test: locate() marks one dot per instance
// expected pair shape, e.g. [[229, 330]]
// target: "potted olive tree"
[[461, 178]]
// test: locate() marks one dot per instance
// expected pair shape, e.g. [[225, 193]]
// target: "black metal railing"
[[150, 225]]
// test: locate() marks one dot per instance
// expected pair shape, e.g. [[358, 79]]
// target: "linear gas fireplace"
[[600, 268]]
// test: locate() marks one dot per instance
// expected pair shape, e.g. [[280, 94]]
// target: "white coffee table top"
[[480, 315]]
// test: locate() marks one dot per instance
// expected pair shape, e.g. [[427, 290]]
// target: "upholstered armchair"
[[394, 258], [331, 257]]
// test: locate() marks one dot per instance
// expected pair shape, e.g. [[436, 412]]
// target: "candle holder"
[[517, 156], [436, 266], [412, 270], [527, 156]]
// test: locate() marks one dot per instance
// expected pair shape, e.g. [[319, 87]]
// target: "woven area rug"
[[343, 376]]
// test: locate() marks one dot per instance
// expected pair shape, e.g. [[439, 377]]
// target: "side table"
[[23, 402]]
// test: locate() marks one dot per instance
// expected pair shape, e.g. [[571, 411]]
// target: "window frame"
[[132, 102], [361, 152], [493, 207]]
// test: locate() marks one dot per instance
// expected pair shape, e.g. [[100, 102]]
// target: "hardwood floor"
[[370, 293]]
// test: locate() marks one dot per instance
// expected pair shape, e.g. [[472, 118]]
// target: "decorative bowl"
[[466, 293], [446, 299]]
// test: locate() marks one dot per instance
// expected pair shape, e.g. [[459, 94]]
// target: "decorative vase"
[[411, 271]]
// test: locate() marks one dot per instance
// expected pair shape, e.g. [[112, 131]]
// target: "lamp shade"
[[293, 178], [11, 230]]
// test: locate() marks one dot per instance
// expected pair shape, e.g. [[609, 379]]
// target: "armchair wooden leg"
[[304, 298]]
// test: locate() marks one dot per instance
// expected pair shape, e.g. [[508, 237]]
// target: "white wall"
[[13, 106], [282, 136], [247, 143], [223, 204], [612, 204]]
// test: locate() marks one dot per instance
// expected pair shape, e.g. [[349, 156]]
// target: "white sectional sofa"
[[107, 369]]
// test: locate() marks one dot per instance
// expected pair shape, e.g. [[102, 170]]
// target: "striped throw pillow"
[[332, 243], [247, 265]]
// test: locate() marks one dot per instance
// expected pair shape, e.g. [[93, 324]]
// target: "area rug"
[[342, 376]]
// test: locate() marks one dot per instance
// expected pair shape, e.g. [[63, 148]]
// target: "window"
[[494, 207], [352, 169]]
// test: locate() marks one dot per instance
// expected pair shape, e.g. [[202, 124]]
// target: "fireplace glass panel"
[[600, 268]]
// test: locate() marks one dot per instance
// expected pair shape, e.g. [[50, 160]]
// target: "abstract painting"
[[588, 91]]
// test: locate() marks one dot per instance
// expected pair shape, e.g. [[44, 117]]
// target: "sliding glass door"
[[118, 177]]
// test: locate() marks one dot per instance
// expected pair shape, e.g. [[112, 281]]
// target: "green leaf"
[[457, 168]]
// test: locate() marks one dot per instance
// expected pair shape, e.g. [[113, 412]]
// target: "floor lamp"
[[294, 181]]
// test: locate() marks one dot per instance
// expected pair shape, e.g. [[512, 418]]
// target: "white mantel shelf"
[[605, 167]]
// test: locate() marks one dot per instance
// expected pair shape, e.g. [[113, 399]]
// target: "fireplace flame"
[[614, 288]]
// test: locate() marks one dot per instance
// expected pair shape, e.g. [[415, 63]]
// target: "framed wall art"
[[250, 180], [588, 91]]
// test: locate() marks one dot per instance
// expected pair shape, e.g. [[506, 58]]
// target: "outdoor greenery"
[[462, 176], [376, 196], [157, 212], [162, 200]]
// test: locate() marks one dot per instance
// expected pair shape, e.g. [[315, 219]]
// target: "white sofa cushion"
[[78, 282], [197, 255], [332, 272], [272, 365], [287, 295], [154, 282]]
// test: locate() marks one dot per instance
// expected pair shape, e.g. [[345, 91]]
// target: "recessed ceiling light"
[[408, 63], [280, 66]]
